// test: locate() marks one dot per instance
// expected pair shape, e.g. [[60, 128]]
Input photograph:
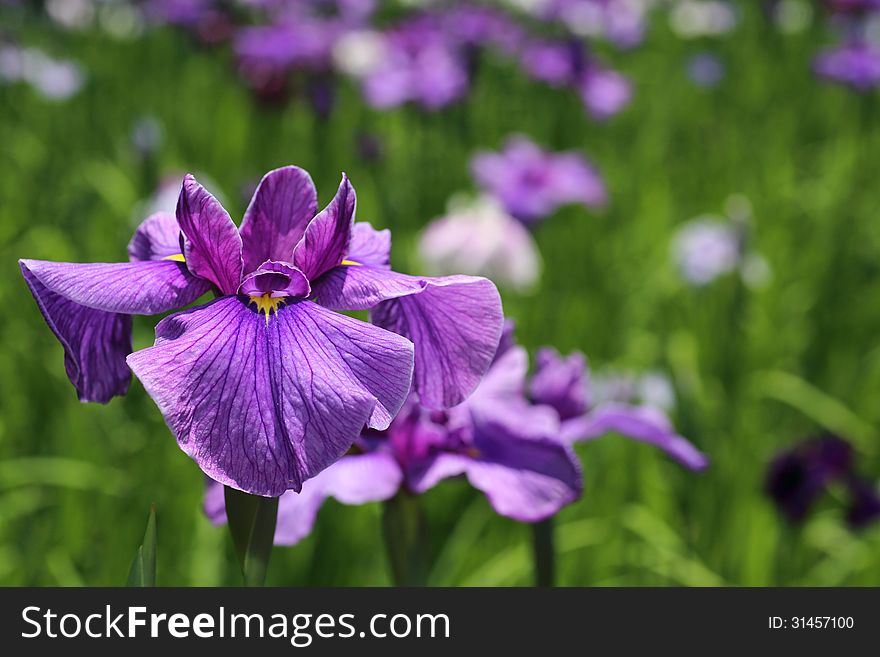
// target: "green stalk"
[[406, 540], [252, 526], [544, 552]]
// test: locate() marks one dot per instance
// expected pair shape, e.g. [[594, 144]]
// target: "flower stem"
[[545, 554], [406, 540], [252, 525]]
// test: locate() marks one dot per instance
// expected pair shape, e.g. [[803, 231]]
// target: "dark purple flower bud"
[[864, 507]]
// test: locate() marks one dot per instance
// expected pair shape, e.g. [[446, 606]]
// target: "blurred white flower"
[[691, 19], [480, 238], [793, 16], [359, 53]]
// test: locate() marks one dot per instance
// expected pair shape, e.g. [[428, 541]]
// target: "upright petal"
[[157, 238], [265, 405], [354, 480], [213, 245], [282, 206], [95, 342], [327, 237], [133, 288], [369, 246], [454, 321], [643, 423], [560, 382]]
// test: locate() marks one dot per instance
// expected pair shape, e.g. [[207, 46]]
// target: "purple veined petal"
[[353, 480], [282, 206], [643, 423], [157, 238], [327, 237], [263, 406], [212, 245], [277, 279], [455, 323], [95, 342], [369, 246], [133, 288], [505, 380]]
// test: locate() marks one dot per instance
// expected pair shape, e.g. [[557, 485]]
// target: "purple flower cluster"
[[511, 439], [797, 477], [267, 385], [426, 57], [855, 61]]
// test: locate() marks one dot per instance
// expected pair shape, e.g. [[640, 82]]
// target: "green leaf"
[[143, 567], [252, 525]]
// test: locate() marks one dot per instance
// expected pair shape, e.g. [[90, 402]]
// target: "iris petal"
[[264, 406]]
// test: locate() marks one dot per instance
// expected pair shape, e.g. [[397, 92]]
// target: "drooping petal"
[[157, 238], [455, 323], [133, 288], [265, 405], [282, 206], [213, 245], [95, 342], [277, 279], [526, 474], [326, 240], [369, 246], [642, 423], [353, 480]]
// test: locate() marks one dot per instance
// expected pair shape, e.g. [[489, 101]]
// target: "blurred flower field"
[[722, 251]]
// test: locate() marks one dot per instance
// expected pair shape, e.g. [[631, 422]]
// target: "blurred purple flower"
[[622, 22], [482, 239], [705, 69], [797, 477], [421, 63], [266, 386], [856, 65], [603, 91], [563, 383], [532, 183]]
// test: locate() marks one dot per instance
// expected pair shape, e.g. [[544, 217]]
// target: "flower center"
[[266, 303]]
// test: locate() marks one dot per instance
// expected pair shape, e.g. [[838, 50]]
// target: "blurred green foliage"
[[754, 370]]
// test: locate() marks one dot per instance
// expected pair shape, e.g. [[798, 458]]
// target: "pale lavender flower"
[[706, 248], [705, 69], [482, 239]]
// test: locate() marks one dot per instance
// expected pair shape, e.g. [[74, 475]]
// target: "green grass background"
[[754, 370]]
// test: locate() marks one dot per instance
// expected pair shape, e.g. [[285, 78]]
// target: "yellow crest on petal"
[[177, 257], [265, 304]]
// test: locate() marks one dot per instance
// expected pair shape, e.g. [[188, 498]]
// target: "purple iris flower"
[[504, 446], [798, 477], [266, 386], [856, 65], [532, 183], [563, 383]]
